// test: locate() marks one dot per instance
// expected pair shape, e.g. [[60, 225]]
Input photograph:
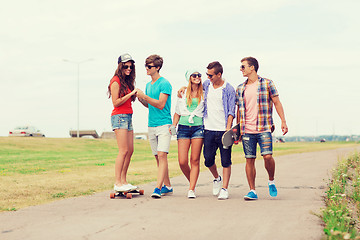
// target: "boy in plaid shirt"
[[255, 98]]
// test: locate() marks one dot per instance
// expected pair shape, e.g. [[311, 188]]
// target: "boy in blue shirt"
[[157, 98]]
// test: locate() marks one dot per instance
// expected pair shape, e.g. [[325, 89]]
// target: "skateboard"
[[231, 136], [127, 194]]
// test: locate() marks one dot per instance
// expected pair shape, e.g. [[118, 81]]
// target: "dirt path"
[[301, 181]]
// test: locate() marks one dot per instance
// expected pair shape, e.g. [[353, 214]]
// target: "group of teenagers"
[[204, 112]]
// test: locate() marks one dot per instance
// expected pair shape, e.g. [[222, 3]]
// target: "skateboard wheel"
[[236, 142], [112, 195], [129, 196], [141, 192]]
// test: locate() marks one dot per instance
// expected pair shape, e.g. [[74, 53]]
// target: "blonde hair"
[[199, 94]]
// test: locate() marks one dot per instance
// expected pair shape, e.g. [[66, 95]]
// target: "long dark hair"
[[126, 82]]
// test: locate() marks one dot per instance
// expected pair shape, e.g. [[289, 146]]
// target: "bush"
[[341, 215]]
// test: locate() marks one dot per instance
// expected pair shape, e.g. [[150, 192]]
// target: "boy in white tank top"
[[219, 112]]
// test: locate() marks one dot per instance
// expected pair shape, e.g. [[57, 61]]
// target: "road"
[[301, 181]]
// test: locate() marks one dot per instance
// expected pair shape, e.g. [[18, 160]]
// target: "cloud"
[[308, 49]]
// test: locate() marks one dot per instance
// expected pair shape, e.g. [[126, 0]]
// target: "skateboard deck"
[[231, 136], [127, 194]]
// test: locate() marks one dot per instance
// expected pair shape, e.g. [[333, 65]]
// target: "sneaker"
[[272, 190], [131, 187], [122, 188], [191, 194], [156, 193], [217, 186], [251, 196], [166, 190], [224, 194]]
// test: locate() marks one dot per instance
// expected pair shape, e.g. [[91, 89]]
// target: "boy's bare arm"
[[280, 110], [160, 104], [181, 91], [143, 102]]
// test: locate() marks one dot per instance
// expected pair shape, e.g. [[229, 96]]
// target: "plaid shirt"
[[265, 92]]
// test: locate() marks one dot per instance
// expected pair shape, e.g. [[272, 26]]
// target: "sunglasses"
[[242, 67], [127, 66], [149, 66], [209, 75], [196, 75]]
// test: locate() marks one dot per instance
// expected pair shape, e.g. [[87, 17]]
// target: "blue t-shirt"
[[159, 117]]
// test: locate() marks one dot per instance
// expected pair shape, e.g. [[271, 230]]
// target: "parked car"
[[26, 131], [142, 137]]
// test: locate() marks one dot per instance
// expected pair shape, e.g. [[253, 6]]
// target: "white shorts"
[[159, 138]]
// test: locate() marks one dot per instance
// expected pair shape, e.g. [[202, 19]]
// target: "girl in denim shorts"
[[122, 92], [189, 118]]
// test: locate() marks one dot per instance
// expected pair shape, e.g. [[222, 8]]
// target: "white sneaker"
[[131, 187], [122, 188], [224, 194], [191, 194], [217, 186]]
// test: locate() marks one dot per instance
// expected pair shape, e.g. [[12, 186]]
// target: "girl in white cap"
[[189, 118], [122, 92]]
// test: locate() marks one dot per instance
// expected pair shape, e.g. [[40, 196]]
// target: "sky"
[[310, 49]]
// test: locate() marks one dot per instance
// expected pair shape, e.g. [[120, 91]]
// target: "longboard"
[[231, 136], [127, 194]]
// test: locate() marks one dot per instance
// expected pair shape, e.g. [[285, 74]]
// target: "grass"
[[342, 212], [39, 170]]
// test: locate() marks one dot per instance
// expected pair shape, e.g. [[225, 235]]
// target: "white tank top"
[[215, 119]]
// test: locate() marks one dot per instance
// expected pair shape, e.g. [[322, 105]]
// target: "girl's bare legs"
[[130, 141], [196, 146], [123, 145], [183, 156], [191, 173]]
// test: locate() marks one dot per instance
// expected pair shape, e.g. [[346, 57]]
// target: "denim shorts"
[[190, 132], [122, 121], [250, 143], [159, 138], [212, 141]]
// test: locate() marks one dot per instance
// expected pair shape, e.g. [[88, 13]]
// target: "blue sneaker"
[[166, 190], [251, 196], [272, 190], [156, 193]]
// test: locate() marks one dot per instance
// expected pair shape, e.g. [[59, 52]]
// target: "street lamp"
[[78, 88]]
